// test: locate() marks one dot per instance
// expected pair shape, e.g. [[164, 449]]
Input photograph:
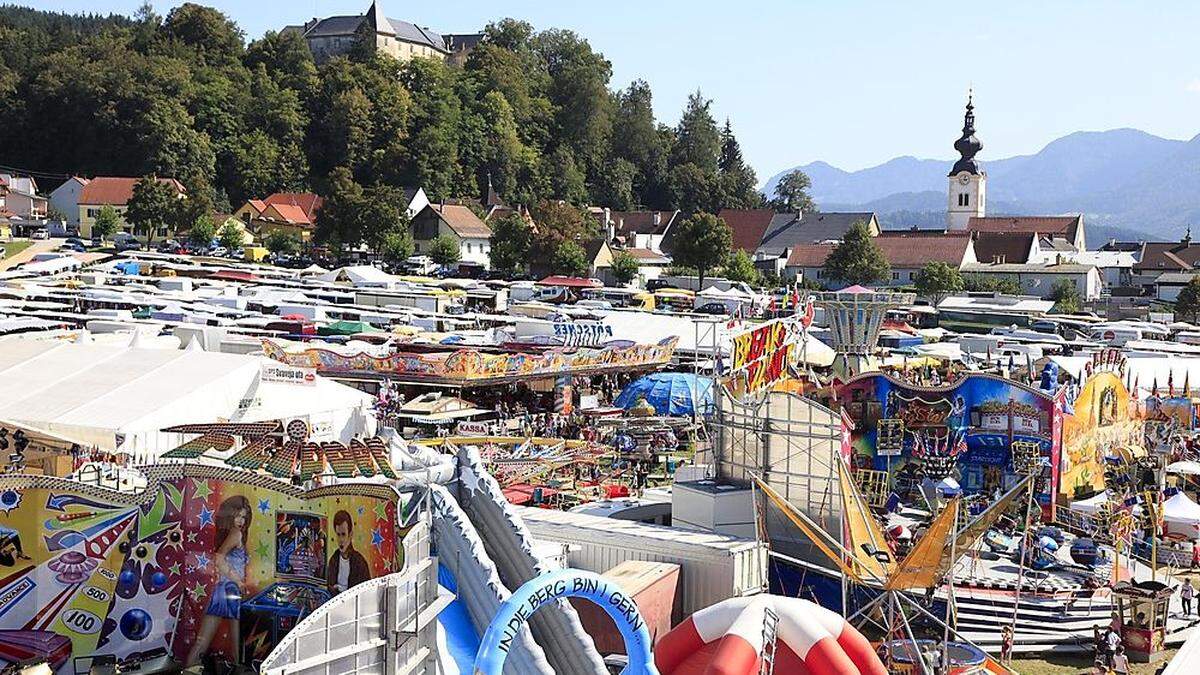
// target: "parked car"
[[74, 247], [76, 240], [129, 245], [40, 233], [219, 252]]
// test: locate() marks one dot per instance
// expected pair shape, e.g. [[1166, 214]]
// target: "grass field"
[[1072, 664], [15, 247]]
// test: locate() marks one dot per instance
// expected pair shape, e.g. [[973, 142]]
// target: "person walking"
[[1186, 594], [1006, 645], [1120, 662]]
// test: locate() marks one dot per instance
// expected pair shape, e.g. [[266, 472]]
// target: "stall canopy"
[[1182, 515], [1091, 505], [347, 328], [359, 276], [1187, 467], [670, 393]]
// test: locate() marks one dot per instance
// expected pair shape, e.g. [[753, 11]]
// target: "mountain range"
[[1129, 185]]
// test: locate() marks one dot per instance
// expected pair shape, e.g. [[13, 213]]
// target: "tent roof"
[[1180, 508], [357, 274], [64, 386]]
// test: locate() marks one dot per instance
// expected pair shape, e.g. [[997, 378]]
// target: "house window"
[[895, 276], [468, 248], [964, 199]]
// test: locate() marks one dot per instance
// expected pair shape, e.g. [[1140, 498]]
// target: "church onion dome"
[[967, 145]]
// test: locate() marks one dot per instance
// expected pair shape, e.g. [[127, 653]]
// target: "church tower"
[[968, 183]]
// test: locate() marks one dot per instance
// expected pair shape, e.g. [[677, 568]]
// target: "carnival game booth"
[[207, 566], [966, 430]]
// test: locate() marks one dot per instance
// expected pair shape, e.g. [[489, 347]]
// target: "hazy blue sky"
[[852, 83]]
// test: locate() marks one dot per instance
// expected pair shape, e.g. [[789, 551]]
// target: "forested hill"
[[188, 96]]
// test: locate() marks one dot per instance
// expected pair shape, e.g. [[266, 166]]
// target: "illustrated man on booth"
[[347, 567]]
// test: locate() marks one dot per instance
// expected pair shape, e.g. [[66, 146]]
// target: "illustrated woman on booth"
[[225, 603]]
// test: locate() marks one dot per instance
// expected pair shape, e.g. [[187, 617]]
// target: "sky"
[[852, 83]]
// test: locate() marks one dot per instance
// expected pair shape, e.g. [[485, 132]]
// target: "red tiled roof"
[[292, 214], [116, 190], [748, 226], [645, 254], [308, 202], [1168, 256], [905, 251], [258, 204], [1064, 225], [463, 221], [809, 255]]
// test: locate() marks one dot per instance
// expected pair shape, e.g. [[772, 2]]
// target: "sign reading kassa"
[[763, 354]]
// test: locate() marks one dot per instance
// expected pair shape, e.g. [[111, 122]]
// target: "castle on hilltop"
[[337, 35]]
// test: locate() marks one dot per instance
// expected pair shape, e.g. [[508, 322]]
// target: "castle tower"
[[968, 183]]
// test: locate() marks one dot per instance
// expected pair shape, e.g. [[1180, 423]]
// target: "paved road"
[[39, 246]]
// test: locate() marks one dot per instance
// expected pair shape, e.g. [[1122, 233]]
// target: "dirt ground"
[[1070, 664]]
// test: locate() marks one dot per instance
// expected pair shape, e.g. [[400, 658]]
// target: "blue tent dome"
[[675, 394]]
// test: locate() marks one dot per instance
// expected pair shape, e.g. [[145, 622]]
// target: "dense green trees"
[[186, 96], [510, 243], [1066, 297], [702, 242], [1187, 305], [107, 222], [791, 193], [857, 259], [937, 279], [624, 268]]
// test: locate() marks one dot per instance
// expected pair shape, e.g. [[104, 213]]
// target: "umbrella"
[[670, 393]]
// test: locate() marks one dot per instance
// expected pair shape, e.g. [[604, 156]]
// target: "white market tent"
[[1091, 506], [312, 269], [1186, 467], [119, 397], [1182, 516], [359, 276]]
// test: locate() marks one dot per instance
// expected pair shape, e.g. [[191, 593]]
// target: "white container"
[[713, 567], [713, 506]]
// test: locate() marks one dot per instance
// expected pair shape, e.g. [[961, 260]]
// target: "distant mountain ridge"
[[1126, 182]]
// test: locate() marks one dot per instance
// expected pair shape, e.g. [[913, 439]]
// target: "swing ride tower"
[[855, 316]]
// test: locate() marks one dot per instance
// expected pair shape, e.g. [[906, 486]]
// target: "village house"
[[461, 225], [636, 229], [906, 253], [772, 238], [291, 213], [65, 198], [114, 191], [1157, 258], [20, 197]]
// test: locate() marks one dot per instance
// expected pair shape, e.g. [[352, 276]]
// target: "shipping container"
[[713, 567]]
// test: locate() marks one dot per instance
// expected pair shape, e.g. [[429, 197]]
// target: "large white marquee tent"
[[120, 397]]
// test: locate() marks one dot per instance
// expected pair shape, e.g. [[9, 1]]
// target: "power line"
[[35, 174]]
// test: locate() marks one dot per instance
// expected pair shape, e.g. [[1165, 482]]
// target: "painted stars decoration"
[[9, 500], [264, 506], [381, 510], [201, 561], [200, 489], [197, 592], [206, 515], [263, 550], [376, 538]]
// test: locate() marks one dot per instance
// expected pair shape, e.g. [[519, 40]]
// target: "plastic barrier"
[[567, 583]]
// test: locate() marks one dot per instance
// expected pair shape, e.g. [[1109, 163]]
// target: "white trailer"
[[713, 567]]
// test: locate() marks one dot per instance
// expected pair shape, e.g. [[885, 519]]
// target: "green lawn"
[[1075, 664], [14, 247]]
